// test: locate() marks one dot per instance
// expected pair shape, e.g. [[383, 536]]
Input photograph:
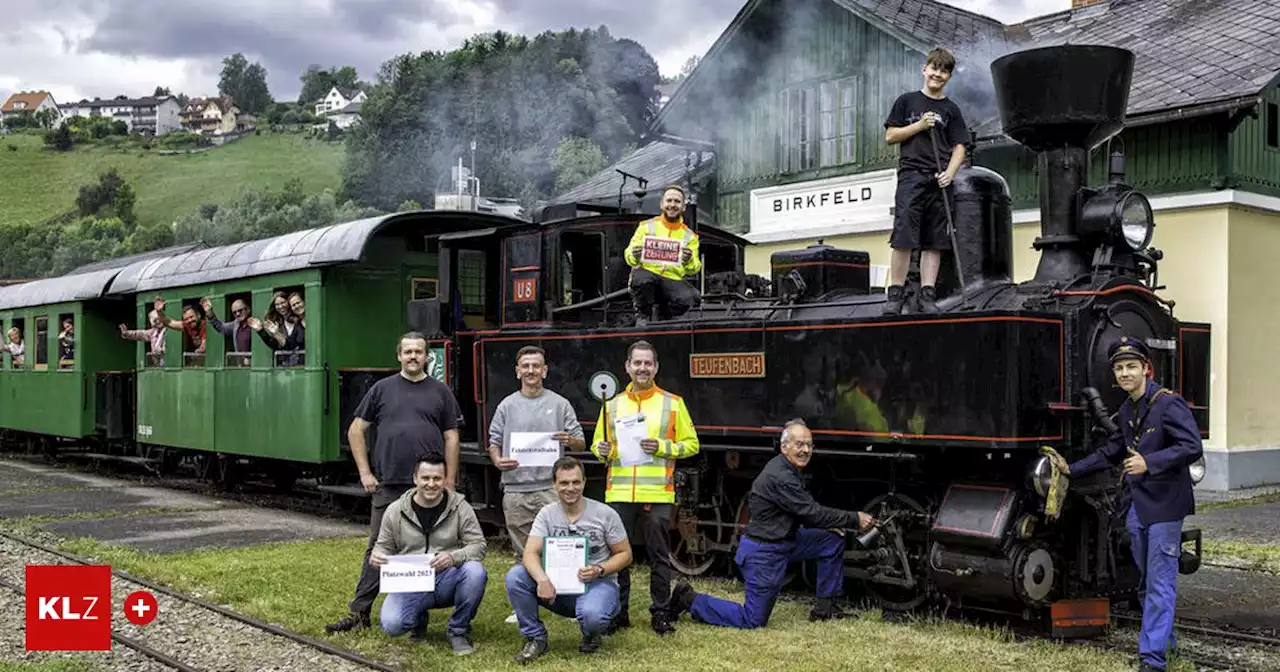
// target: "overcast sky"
[[86, 48]]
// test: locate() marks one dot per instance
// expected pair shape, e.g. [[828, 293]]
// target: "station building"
[[789, 104]]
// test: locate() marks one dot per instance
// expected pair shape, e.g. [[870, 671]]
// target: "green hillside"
[[36, 183]]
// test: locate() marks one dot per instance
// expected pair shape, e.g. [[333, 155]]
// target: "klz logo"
[[68, 608]]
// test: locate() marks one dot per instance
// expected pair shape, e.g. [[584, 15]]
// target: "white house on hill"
[[338, 99]]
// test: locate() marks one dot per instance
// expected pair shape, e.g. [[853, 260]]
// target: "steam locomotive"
[[932, 422]]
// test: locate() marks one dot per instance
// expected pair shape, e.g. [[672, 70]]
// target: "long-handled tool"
[[951, 225]]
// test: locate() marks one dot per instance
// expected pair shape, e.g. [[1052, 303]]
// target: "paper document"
[[562, 557], [408, 574], [534, 449], [628, 432], [655, 250]]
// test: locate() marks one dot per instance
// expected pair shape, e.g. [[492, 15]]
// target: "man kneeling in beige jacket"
[[431, 512]]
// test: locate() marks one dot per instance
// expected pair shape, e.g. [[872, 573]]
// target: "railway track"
[[325, 655]]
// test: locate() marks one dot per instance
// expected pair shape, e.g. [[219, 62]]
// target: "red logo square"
[[68, 608]]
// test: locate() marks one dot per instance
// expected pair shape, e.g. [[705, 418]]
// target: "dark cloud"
[[88, 46]]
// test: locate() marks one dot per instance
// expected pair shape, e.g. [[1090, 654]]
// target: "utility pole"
[[475, 190]]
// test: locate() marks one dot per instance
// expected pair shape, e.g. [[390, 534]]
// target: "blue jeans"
[[1155, 550], [460, 587], [764, 568], [593, 609]]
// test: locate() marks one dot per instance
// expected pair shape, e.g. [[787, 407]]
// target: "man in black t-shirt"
[[416, 416], [920, 220]]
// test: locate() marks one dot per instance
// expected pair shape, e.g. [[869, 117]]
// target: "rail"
[[126, 641], [247, 620]]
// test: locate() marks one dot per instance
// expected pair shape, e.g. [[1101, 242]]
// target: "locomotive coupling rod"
[[951, 224]]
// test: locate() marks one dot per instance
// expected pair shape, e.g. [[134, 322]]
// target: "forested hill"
[[518, 98]]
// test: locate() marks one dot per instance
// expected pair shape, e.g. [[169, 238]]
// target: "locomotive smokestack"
[[1062, 102]]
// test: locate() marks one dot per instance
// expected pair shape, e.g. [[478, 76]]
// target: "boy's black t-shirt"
[[411, 419], [917, 152]]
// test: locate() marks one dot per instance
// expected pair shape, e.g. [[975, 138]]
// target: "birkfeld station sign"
[[830, 207]]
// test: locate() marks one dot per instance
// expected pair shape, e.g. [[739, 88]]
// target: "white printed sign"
[[408, 574], [534, 449], [562, 557], [829, 207]]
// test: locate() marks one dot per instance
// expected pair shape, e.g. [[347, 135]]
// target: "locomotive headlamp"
[[1125, 216]]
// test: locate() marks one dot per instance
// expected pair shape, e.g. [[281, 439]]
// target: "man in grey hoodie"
[[533, 408], [431, 519]]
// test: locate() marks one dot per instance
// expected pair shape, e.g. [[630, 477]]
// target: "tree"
[[575, 160], [516, 97], [245, 83], [317, 82], [161, 91], [110, 197]]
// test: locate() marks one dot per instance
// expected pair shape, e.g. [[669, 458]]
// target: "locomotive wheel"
[[898, 598], [688, 554]]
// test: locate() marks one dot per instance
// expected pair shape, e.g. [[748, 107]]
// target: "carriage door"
[[523, 285]]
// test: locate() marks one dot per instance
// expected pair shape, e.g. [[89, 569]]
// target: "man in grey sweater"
[[533, 409]]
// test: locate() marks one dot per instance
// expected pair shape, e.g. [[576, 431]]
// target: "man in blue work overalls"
[[1158, 439], [779, 503]]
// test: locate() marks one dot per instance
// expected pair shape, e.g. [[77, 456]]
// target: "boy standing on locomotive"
[[1158, 439], [931, 129], [662, 253]]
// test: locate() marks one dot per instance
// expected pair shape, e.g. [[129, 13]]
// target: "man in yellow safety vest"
[[662, 253], [644, 480]]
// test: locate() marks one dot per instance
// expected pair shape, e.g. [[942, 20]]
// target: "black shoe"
[[927, 299], [619, 622], [351, 622], [826, 609], [590, 644], [419, 633], [681, 599], [1148, 667], [893, 306], [662, 624], [532, 649]]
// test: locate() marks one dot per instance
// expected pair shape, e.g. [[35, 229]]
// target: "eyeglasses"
[[801, 444]]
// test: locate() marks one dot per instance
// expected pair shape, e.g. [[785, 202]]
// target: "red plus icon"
[[140, 607]]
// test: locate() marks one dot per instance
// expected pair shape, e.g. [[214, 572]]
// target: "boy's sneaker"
[[893, 306]]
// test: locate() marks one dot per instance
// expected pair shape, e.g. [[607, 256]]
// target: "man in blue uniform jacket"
[[1158, 439], [779, 503]]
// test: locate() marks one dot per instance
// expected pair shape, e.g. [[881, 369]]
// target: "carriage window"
[[237, 336], [194, 334], [425, 288], [284, 327], [15, 341], [582, 267], [66, 342], [42, 343]]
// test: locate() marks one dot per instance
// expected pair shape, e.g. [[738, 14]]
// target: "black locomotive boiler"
[[934, 423]]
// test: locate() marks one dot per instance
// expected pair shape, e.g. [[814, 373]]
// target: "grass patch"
[[36, 183], [48, 665], [305, 585], [1268, 498], [1260, 557]]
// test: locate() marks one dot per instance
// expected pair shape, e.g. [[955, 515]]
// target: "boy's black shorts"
[[920, 218]]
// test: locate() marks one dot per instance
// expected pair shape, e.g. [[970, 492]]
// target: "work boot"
[[590, 644], [662, 624], [826, 609], [532, 649], [893, 304], [927, 299], [681, 599], [419, 633], [352, 621]]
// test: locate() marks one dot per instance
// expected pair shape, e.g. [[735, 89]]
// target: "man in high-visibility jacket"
[[662, 253], [648, 487]]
